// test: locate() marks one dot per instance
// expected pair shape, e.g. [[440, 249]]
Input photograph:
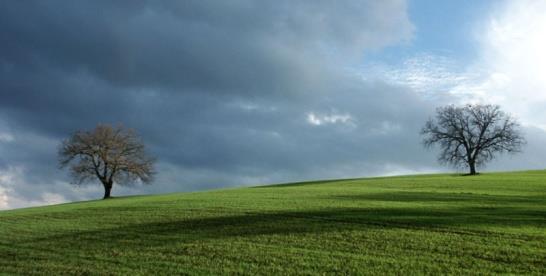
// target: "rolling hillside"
[[491, 223]]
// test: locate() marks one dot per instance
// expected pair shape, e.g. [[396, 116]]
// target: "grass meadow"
[[429, 224]]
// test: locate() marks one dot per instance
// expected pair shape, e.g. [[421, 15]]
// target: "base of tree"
[[470, 174]]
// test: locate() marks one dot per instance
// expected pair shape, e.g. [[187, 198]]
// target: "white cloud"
[[331, 118], [3, 198], [8, 179], [510, 70], [425, 73], [6, 137], [514, 57], [11, 178]]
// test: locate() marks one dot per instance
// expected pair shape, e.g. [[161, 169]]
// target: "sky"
[[242, 93]]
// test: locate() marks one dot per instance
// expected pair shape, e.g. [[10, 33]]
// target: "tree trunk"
[[472, 165], [107, 189]]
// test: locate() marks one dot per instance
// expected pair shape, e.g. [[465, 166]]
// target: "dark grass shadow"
[[169, 237], [144, 227], [288, 224], [178, 236]]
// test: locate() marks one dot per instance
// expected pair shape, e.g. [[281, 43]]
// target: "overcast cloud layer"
[[223, 92]]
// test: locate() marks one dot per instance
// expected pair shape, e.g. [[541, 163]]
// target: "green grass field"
[[430, 224]]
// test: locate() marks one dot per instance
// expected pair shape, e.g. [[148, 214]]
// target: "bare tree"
[[111, 154], [472, 135]]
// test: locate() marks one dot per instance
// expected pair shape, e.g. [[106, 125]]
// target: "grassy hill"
[[491, 223]]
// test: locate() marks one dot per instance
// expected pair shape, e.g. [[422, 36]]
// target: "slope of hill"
[[491, 223]]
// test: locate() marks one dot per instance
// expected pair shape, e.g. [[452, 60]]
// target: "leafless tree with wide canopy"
[[472, 135], [111, 154]]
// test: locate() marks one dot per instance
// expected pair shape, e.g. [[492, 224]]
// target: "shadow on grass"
[[168, 229]]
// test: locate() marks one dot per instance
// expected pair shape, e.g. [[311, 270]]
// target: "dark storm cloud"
[[223, 92], [234, 46]]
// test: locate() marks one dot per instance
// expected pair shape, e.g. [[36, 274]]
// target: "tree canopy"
[[472, 135], [109, 154]]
